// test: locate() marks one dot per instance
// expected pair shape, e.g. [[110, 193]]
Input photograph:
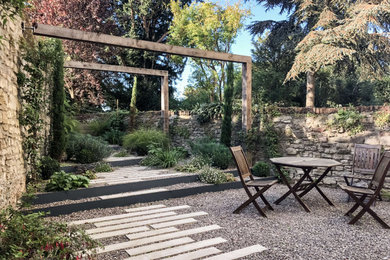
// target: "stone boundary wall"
[[12, 169]]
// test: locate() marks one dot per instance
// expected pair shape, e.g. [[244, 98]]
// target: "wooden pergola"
[[92, 37], [131, 70]]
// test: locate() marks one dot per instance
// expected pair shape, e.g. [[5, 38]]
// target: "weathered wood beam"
[[246, 96], [165, 103], [114, 68], [71, 34]]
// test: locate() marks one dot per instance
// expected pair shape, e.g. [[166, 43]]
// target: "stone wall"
[[12, 170]]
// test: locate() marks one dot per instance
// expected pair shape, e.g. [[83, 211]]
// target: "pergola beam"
[[92, 37], [131, 70], [114, 68]]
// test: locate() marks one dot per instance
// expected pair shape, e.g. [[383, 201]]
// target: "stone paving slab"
[[160, 237]]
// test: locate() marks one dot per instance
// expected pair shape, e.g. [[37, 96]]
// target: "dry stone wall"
[[12, 170]]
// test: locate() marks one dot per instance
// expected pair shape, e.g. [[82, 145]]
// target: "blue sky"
[[243, 43]]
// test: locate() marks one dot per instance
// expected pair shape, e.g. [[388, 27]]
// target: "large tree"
[[207, 26], [86, 15], [346, 35]]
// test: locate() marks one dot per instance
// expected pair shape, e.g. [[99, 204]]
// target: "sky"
[[243, 42]]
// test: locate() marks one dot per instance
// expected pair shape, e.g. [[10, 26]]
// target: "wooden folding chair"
[[247, 180], [372, 192]]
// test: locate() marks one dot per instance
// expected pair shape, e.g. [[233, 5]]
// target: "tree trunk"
[[310, 89]]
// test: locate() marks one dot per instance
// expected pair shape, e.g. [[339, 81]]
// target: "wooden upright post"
[[246, 95], [165, 103]]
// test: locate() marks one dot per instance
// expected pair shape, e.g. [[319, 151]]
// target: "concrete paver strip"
[[152, 233], [134, 219], [174, 223], [134, 193], [175, 250], [238, 253], [142, 223], [120, 232], [158, 246], [196, 254]]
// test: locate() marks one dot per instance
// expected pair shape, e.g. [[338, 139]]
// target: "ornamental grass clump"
[[195, 164], [162, 157], [139, 141], [30, 236], [214, 176]]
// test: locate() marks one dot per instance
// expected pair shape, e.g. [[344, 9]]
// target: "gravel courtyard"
[[288, 232]]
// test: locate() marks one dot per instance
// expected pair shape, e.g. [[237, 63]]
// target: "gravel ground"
[[288, 232]]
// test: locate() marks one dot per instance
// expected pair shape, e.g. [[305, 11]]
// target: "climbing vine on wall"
[[9, 9], [32, 78]]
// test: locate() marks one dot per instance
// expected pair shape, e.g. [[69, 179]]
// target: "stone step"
[[153, 232], [146, 222], [174, 223], [130, 213], [158, 246], [139, 214], [196, 254], [177, 234], [174, 250], [158, 238], [127, 194], [238, 253]]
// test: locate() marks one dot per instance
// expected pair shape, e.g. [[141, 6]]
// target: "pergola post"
[[165, 103], [246, 96]]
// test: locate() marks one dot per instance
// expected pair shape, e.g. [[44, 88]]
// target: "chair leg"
[[352, 210], [268, 205], [252, 199]]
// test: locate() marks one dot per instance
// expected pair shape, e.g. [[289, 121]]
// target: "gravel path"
[[288, 232]]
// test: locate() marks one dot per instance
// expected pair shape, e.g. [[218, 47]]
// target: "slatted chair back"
[[242, 164], [383, 167], [365, 158]]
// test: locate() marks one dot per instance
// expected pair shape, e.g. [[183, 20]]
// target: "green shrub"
[[214, 176], [114, 136], [162, 157], [261, 169], [347, 120], [194, 165], [382, 119], [206, 112], [98, 127], [139, 140], [90, 174], [48, 167], [86, 149], [122, 153], [29, 236], [219, 154], [103, 167], [65, 181]]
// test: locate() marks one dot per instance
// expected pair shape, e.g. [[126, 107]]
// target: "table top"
[[300, 162]]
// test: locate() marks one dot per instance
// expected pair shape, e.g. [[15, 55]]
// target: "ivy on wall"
[[9, 9], [35, 74]]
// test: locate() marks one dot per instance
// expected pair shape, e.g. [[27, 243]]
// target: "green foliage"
[[103, 167], [122, 153], [139, 140], [65, 181], [86, 149], [195, 164], [90, 174], [226, 131], [261, 169], [162, 157], [382, 119], [206, 112], [48, 167], [58, 139], [9, 9], [348, 119], [214, 176], [111, 127], [382, 90], [218, 154], [32, 77], [30, 236]]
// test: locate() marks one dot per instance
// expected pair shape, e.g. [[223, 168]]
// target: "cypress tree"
[[133, 107], [58, 141], [226, 133]]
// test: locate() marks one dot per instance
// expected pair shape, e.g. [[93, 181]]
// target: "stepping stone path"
[[153, 233], [128, 174]]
